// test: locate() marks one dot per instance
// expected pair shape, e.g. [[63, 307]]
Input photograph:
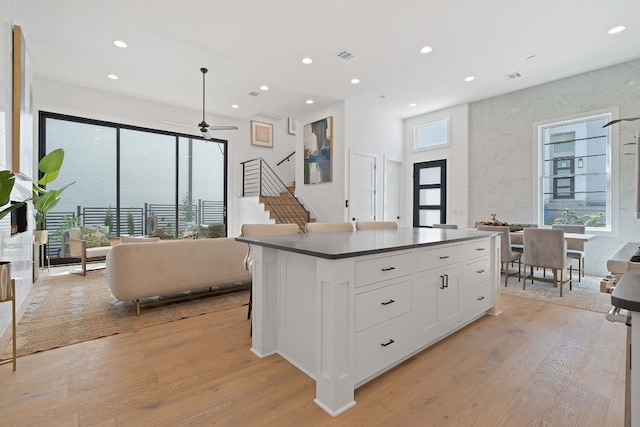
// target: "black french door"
[[429, 193]]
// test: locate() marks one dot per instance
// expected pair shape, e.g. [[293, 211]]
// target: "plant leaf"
[[613, 122]]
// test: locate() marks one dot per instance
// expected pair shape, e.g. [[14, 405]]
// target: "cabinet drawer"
[[379, 305], [382, 348], [479, 299], [478, 248], [383, 268], [440, 256], [477, 272]]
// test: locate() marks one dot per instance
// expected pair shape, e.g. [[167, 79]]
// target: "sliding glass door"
[[126, 175]]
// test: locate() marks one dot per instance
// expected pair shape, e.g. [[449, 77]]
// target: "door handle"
[[388, 269], [442, 279], [444, 257], [446, 276], [480, 271], [480, 298], [388, 302], [387, 343]]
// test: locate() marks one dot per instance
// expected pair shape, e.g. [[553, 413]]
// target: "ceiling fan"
[[203, 125]]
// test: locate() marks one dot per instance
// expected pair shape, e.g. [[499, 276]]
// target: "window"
[[575, 172], [432, 135], [125, 174]]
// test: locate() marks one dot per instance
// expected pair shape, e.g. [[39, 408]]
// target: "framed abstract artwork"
[[318, 140], [261, 134]]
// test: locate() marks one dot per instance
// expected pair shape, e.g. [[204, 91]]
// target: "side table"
[[7, 295]]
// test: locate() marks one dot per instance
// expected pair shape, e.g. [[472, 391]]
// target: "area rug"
[[68, 309], [585, 295]]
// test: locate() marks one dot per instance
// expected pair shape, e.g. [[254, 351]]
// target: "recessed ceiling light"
[[426, 49], [355, 81], [413, 104], [264, 87], [307, 60], [309, 101], [234, 106], [113, 77], [616, 30], [120, 43], [469, 78]]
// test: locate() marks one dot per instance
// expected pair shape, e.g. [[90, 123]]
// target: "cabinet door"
[[438, 302], [449, 298]]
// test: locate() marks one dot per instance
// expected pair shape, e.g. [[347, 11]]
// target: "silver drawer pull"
[[387, 343], [388, 269], [480, 271], [388, 302], [480, 249], [480, 298], [444, 257]]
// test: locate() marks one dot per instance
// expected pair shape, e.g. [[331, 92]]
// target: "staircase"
[[260, 180]]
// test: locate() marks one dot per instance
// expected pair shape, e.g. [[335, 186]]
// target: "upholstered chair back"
[[376, 225], [572, 228], [544, 247], [505, 240], [328, 227], [268, 229], [447, 226]]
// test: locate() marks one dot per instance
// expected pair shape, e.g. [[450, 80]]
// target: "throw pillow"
[[95, 236]]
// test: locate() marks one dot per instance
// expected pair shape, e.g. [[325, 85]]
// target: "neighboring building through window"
[[432, 135], [575, 173]]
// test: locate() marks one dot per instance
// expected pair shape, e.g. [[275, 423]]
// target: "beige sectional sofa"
[[142, 270]]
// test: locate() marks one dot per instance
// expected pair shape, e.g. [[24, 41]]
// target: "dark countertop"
[[363, 242], [627, 292]]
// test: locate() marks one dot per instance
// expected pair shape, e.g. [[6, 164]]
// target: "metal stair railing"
[[258, 179]]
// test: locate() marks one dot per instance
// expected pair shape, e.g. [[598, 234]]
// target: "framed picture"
[[261, 134], [292, 126], [22, 161], [318, 140]]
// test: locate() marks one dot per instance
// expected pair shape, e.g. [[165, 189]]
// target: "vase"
[[5, 281], [42, 236]]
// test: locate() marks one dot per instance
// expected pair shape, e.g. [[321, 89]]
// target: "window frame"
[[612, 164]]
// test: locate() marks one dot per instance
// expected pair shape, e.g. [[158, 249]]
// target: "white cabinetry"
[[438, 282], [344, 320], [384, 318]]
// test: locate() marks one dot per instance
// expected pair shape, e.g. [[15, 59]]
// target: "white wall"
[[375, 134], [17, 249], [456, 156], [325, 200], [502, 178]]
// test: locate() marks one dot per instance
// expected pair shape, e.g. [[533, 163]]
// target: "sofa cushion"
[[95, 236]]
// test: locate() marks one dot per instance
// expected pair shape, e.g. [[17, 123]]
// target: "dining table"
[[569, 237]]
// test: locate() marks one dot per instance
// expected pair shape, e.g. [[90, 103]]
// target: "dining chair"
[[546, 248], [447, 226], [575, 250], [507, 255], [376, 225], [262, 230], [328, 227]]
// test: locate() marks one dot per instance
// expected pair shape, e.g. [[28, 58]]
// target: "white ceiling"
[[246, 44]]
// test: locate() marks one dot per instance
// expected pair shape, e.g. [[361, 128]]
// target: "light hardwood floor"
[[535, 364]]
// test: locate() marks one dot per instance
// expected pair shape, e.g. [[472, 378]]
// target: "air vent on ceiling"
[[345, 54], [253, 93], [512, 76]]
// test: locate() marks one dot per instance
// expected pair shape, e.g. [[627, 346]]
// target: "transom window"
[[432, 135], [575, 172]]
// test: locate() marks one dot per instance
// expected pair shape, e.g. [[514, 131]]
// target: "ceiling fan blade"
[[223, 127]]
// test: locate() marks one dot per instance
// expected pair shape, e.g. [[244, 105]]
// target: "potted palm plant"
[[46, 199]]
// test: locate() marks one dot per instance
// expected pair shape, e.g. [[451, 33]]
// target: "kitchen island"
[[347, 307]]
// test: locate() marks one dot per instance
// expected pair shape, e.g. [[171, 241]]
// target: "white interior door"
[[391, 208], [362, 187]]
